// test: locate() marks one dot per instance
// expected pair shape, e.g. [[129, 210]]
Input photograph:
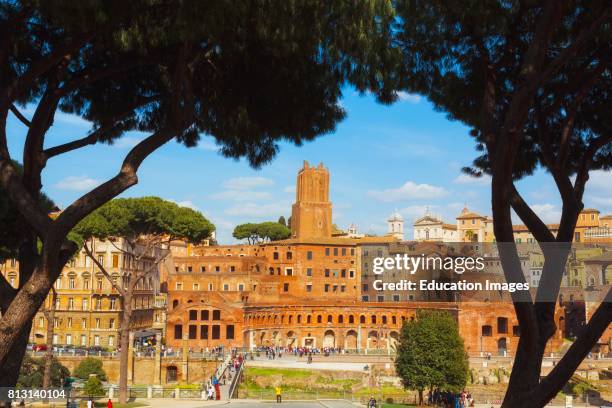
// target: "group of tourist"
[[450, 400]]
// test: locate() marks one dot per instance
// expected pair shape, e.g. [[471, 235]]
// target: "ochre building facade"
[[313, 290]]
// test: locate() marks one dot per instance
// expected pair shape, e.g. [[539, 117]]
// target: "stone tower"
[[396, 225], [311, 215]]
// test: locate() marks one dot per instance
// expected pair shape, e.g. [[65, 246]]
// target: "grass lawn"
[[385, 405], [285, 372]]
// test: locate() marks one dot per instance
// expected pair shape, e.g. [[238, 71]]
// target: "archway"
[[393, 340], [372, 342], [171, 374], [329, 339], [501, 346], [291, 339], [350, 341]]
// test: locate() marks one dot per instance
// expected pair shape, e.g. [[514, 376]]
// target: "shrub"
[[90, 366]]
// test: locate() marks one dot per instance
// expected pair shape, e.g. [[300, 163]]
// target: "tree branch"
[[21, 198], [126, 178], [94, 136], [90, 254], [19, 115], [567, 366], [536, 226]]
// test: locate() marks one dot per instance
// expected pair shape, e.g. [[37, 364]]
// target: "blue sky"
[[405, 156]]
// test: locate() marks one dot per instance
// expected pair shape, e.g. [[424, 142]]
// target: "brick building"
[[313, 290]]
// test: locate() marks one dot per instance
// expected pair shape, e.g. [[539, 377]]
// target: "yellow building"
[[88, 310]]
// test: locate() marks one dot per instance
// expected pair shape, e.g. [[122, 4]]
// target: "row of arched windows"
[[321, 318]]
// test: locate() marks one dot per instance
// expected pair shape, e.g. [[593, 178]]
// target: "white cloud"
[[408, 97], [242, 195], [258, 210], [484, 180], [600, 201], [208, 145], [246, 183], [289, 189], [549, 213], [77, 183], [410, 190], [600, 180]]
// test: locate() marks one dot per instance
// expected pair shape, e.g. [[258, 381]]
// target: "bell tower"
[[311, 212]]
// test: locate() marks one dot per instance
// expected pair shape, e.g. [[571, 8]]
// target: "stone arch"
[[329, 339], [373, 340], [351, 319], [502, 346], [291, 339], [330, 319], [350, 340], [393, 339]]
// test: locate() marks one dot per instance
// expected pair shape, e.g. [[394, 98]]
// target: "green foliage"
[[89, 366], [454, 50], [282, 221], [265, 231], [93, 387], [33, 369], [133, 217], [430, 353]]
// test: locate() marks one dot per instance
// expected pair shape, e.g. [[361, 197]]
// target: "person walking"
[[109, 404], [279, 397]]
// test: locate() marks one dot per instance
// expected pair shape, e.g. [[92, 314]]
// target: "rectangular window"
[[115, 260], [327, 273], [352, 251], [343, 251], [275, 255], [327, 287], [308, 288], [226, 287], [189, 269], [111, 324], [178, 331], [241, 287], [343, 273], [351, 273], [196, 286], [69, 323], [396, 298], [217, 268], [229, 332], [365, 298], [309, 255], [179, 285], [308, 271], [326, 251], [335, 251], [84, 323], [203, 332], [365, 287], [204, 315], [289, 271], [193, 315], [285, 287], [97, 322], [232, 268], [289, 256], [380, 298], [343, 288], [216, 315], [216, 332], [202, 269], [193, 332]]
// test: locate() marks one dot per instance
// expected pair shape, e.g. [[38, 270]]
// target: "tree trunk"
[[16, 323], [420, 398], [10, 370], [50, 316], [125, 348]]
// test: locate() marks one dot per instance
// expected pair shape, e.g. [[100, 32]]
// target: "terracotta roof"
[[470, 215]]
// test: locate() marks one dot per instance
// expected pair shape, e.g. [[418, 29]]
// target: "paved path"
[[286, 362]]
